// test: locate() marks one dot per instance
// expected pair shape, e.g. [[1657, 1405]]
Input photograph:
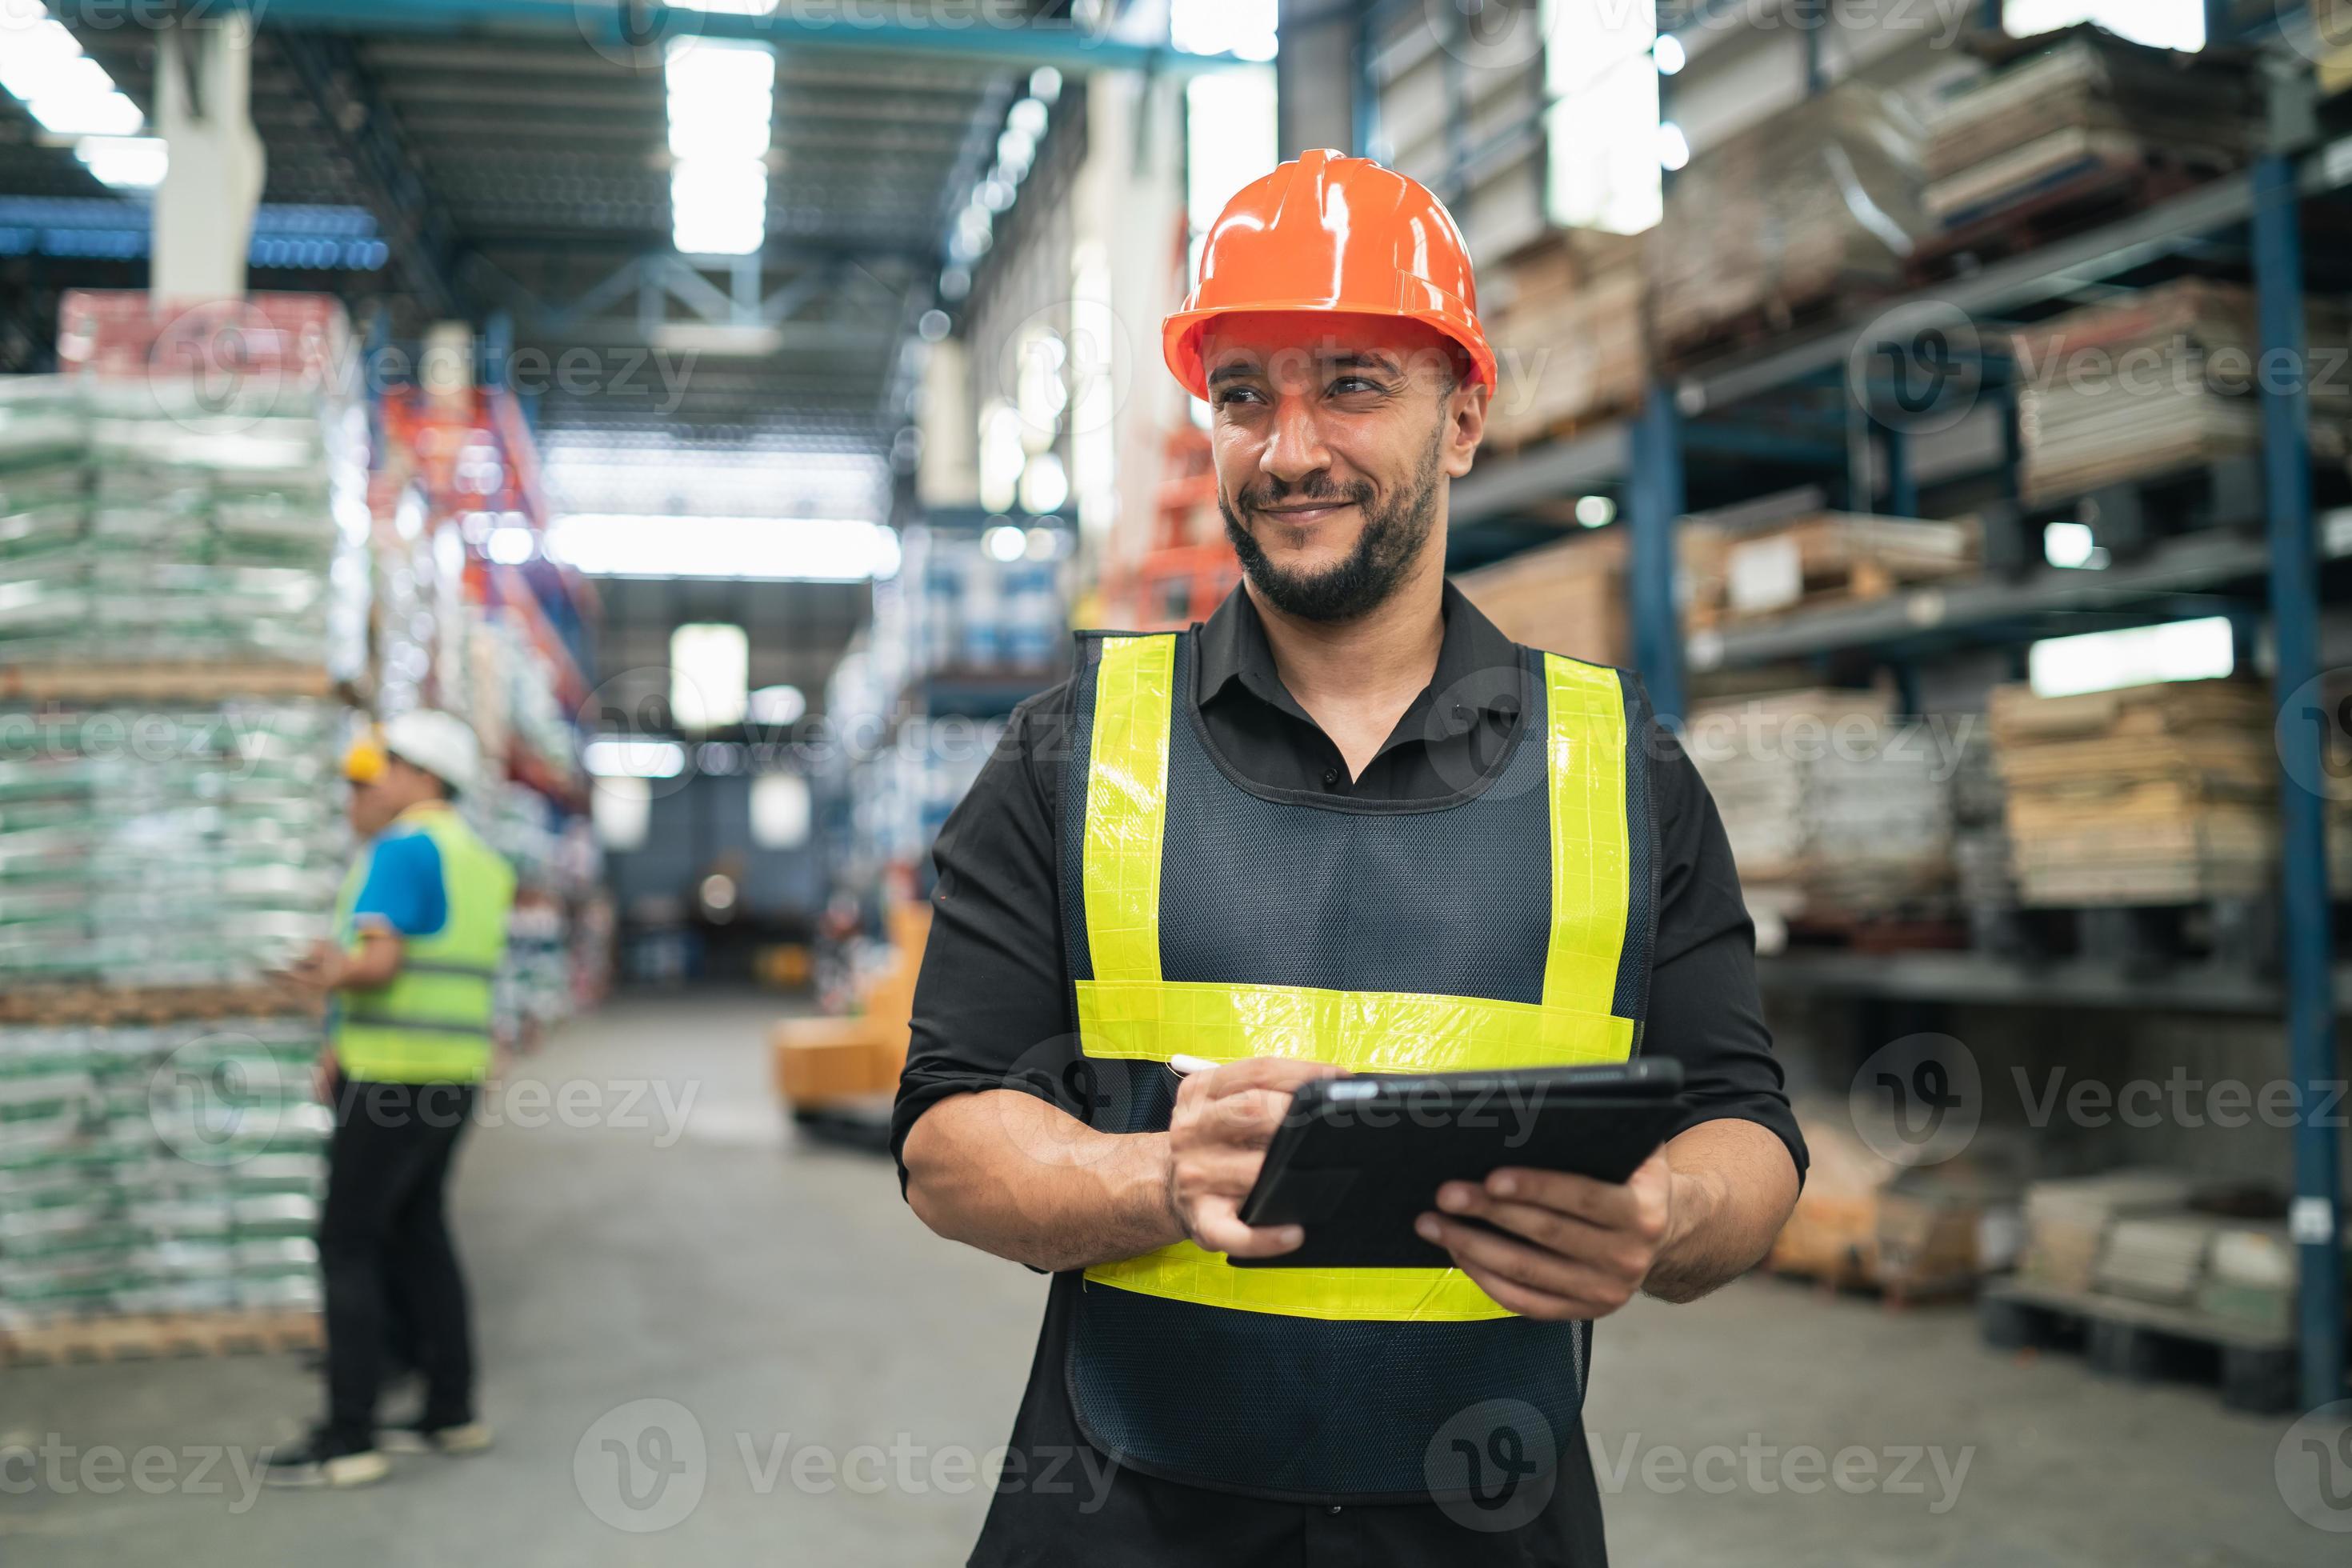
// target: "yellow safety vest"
[[432, 1023], [1509, 927]]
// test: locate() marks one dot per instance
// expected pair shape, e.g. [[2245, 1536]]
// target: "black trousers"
[[385, 1249]]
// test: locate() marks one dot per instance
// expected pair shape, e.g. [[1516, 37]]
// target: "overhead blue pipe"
[[1654, 494]]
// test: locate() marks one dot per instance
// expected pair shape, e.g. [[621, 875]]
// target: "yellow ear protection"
[[364, 764]]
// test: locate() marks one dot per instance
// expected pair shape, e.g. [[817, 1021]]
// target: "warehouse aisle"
[[830, 1372]]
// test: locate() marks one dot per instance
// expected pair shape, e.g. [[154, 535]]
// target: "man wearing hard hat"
[[420, 930], [1343, 825]]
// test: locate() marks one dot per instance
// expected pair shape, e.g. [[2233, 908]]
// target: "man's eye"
[[1347, 385], [1234, 395]]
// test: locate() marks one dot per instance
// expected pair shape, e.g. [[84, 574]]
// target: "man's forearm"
[[1734, 1185], [1005, 1172]]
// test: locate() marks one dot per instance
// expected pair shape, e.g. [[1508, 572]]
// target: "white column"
[[204, 208]]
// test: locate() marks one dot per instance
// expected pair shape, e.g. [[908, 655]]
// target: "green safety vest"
[[432, 1023]]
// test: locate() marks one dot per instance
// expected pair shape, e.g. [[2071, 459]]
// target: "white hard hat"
[[441, 743]]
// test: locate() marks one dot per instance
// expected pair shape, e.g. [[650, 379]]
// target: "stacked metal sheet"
[[1833, 808], [159, 1168], [2151, 795], [2165, 380], [2072, 108], [166, 845]]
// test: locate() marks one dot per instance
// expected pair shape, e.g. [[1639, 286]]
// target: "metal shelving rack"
[[1645, 455]]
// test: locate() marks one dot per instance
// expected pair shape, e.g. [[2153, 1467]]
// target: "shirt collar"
[[1477, 666]]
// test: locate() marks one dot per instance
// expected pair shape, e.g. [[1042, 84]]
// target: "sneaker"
[[325, 1460], [458, 1438]]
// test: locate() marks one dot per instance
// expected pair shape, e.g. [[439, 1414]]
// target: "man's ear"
[[1465, 425]]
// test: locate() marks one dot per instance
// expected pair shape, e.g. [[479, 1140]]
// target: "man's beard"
[[1384, 551]]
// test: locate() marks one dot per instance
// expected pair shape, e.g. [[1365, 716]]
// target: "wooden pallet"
[[162, 682], [151, 1337], [1852, 1276], [63, 1004], [1686, 346], [2144, 1341]]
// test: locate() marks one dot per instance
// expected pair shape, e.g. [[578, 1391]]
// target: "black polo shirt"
[[995, 1009]]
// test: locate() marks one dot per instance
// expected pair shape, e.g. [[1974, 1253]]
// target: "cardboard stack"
[[1816, 203], [1830, 805], [2067, 1221], [1825, 556], [2158, 382], [1568, 597], [2156, 1257], [2082, 109], [2151, 795], [1565, 316]]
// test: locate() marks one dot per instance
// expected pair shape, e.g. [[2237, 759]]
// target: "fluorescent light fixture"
[[1595, 511], [1045, 484], [2070, 546], [1670, 55], [1004, 542], [622, 808], [510, 546], [780, 811], [717, 340], [1028, 115], [718, 209], [722, 103], [778, 705], [1673, 147], [2139, 656], [746, 549], [126, 163], [1045, 84], [634, 758], [709, 675]]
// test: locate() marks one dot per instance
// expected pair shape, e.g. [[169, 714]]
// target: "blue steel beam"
[[1654, 489], [996, 31], [2315, 1223]]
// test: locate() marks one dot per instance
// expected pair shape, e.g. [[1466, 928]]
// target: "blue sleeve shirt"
[[404, 890]]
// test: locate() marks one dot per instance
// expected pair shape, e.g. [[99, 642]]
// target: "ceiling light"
[[126, 163], [1004, 542], [1673, 147], [747, 549], [510, 546], [719, 208], [1595, 511], [1027, 115], [1670, 55], [1045, 84]]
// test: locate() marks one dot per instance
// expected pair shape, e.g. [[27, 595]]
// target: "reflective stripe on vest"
[[432, 1023], [1128, 1011]]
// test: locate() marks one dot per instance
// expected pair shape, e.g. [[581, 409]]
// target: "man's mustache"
[[1321, 494]]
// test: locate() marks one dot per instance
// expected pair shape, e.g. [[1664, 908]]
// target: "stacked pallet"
[[1816, 207], [156, 1171], [2072, 117], [2162, 381], [1568, 597], [1565, 317], [1824, 558], [1831, 808], [2151, 795]]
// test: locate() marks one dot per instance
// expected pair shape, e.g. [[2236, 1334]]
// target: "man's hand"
[[320, 969], [1576, 1248], [1217, 1143]]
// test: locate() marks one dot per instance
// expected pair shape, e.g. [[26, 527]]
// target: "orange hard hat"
[[1327, 232]]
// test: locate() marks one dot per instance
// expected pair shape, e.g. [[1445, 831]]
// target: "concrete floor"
[[785, 1298]]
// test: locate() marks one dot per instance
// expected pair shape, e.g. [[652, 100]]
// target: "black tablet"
[[1358, 1159]]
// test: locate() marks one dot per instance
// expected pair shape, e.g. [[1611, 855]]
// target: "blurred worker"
[[421, 929], [1344, 824]]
